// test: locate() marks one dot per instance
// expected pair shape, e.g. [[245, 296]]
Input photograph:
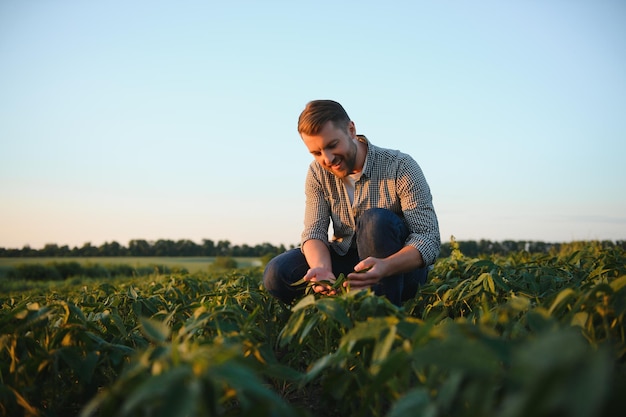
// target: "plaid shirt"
[[390, 180]]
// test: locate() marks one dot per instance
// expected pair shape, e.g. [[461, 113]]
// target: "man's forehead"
[[324, 139]]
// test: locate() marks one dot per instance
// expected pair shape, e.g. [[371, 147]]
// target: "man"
[[386, 233]]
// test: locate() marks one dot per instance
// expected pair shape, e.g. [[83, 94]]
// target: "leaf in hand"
[[339, 281], [299, 282]]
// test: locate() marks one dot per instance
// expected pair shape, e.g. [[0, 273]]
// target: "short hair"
[[318, 112]]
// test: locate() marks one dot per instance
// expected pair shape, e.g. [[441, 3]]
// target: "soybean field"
[[516, 335]]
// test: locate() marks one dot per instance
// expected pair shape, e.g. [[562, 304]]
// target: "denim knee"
[[380, 233], [281, 272], [270, 276]]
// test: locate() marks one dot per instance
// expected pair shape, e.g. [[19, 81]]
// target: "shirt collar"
[[369, 156]]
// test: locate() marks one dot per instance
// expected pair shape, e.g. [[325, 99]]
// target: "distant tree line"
[[140, 247], [224, 248], [474, 248]]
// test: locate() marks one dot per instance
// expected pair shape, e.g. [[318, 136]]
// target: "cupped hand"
[[324, 280], [367, 273]]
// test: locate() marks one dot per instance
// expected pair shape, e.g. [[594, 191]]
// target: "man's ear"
[[352, 129]]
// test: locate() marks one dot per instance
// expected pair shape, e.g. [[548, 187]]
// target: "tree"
[[187, 247], [87, 250], [111, 249], [50, 249], [223, 248], [208, 247], [164, 248], [139, 247]]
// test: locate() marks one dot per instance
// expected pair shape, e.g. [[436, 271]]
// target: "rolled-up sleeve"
[[418, 210], [317, 210]]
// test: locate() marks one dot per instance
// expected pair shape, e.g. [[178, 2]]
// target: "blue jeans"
[[379, 233]]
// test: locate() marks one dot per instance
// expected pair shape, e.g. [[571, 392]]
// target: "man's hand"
[[324, 277], [317, 254], [406, 259], [367, 274]]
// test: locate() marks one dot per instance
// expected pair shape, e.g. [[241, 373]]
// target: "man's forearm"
[[406, 259], [317, 254]]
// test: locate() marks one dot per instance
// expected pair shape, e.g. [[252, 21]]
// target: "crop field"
[[187, 263], [517, 335]]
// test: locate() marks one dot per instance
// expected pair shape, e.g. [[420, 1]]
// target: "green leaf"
[[291, 328], [480, 264], [562, 296], [82, 367], [37, 314], [382, 348], [373, 328], [250, 389], [449, 390], [153, 388], [338, 284], [539, 320], [182, 399], [333, 309], [497, 279], [396, 365], [415, 403], [283, 372], [458, 352], [519, 302], [299, 282], [77, 314], [132, 293], [304, 302], [154, 330], [119, 323], [619, 283], [312, 322], [580, 319], [409, 326], [489, 284], [330, 360]]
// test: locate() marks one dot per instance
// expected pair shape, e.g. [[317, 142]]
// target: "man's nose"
[[327, 157]]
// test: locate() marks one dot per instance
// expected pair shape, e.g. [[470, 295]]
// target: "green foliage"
[[517, 335], [35, 272], [55, 271], [224, 262], [181, 375]]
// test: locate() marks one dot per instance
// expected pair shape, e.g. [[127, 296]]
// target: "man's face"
[[334, 148]]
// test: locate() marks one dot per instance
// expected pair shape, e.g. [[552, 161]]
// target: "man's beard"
[[349, 161]]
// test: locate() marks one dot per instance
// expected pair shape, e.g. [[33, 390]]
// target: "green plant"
[[224, 262]]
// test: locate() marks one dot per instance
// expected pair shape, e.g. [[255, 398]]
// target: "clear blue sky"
[[177, 120]]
